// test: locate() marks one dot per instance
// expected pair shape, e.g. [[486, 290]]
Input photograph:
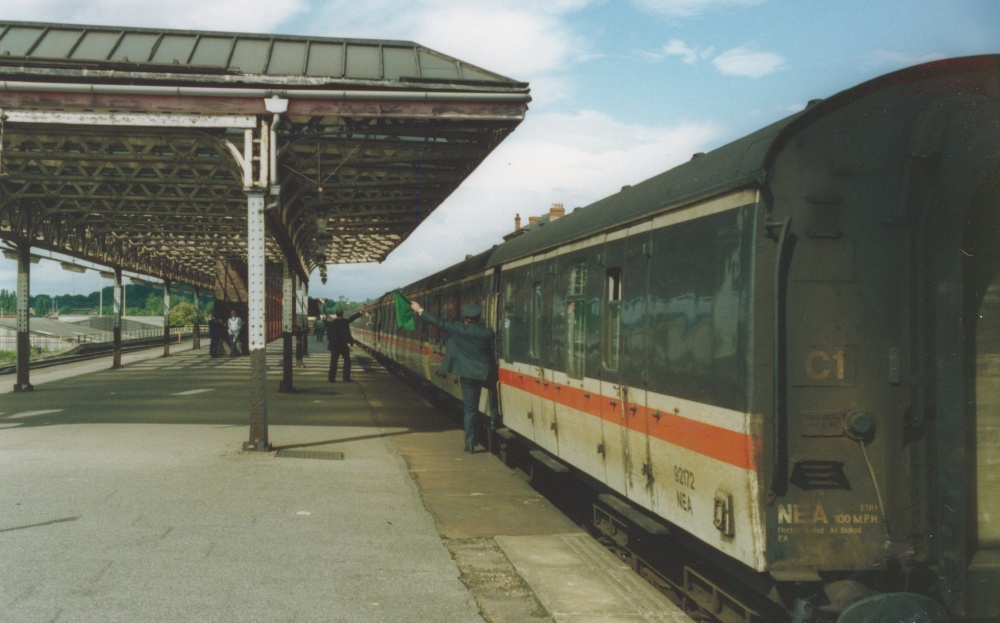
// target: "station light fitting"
[[11, 254], [73, 268], [276, 105]]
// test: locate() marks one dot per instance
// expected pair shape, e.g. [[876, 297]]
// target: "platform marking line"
[[192, 392], [25, 414]]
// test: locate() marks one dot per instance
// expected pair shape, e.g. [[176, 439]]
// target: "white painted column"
[[287, 326], [119, 307], [196, 338], [256, 329], [166, 317], [23, 313]]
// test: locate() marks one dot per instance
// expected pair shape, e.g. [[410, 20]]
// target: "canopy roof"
[[137, 148]]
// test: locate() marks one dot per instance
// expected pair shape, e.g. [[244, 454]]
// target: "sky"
[[621, 89]]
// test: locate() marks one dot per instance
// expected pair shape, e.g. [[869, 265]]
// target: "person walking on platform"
[[216, 334], [471, 355], [235, 328], [339, 341]]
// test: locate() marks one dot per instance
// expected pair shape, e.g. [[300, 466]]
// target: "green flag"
[[404, 315]]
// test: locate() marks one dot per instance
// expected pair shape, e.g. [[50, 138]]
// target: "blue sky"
[[622, 89]]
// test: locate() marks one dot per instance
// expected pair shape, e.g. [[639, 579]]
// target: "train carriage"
[[787, 348], [644, 384]]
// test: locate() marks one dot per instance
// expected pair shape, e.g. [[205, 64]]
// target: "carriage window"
[[508, 319], [536, 319], [577, 280], [575, 321], [612, 317], [505, 325]]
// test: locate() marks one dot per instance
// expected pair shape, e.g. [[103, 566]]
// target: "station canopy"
[[138, 148]]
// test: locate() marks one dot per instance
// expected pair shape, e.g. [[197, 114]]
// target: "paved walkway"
[[124, 496]]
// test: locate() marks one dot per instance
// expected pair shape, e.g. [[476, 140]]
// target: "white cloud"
[[747, 61], [742, 61], [573, 159], [690, 8], [231, 15], [676, 47], [522, 44], [521, 39]]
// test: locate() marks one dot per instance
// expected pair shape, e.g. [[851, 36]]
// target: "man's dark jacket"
[[471, 349], [338, 332]]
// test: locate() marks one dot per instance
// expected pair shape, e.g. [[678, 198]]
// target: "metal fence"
[[53, 344]]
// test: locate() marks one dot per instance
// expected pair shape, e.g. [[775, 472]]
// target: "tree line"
[[140, 300]]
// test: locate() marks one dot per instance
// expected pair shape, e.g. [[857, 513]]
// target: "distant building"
[[557, 211]]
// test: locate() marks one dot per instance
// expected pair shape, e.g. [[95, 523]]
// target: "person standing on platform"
[[471, 355], [235, 327], [339, 341], [319, 328], [216, 334]]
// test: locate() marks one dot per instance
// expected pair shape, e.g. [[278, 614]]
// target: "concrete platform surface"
[[124, 496]]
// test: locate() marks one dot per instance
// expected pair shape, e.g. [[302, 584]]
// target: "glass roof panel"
[[399, 63], [212, 51], [364, 61], [96, 45], [274, 55], [57, 43], [250, 55], [19, 40], [136, 47], [174, 49], [436, 66], [288, 58], [326, 59]]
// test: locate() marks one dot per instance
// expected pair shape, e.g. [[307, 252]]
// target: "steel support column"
[[196, 338], [166, 317], [287, 327], [303, 311], [256, 276], [23, 309], [119, 304], [302, 324]]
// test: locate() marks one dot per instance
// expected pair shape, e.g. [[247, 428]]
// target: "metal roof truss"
[[165, 193]]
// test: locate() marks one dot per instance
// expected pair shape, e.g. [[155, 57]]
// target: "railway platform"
[[125, 496]]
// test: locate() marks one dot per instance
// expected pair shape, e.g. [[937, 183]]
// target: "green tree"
[[154, 304], [8, 302], [182, 314], [42, 305]]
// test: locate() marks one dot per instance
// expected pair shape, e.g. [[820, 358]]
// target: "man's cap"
[[471, 311]]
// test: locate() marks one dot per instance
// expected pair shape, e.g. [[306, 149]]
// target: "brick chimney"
[[533, 219], [517, 222], [556, 211]]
